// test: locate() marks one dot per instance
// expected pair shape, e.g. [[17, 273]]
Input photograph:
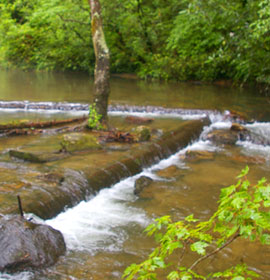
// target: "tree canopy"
[[178, 39]]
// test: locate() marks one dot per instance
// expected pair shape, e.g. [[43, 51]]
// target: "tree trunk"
[[102, 67]]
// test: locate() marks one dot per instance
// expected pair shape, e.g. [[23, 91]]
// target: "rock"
[[169, 172], [141, 183], [237, 127], [198, 155], [78, 142], [138, 120], [222, 136], [248, 159], [237, 132], [237, 116], [52, 177], [25, 245], [36, 157], [143, 133]]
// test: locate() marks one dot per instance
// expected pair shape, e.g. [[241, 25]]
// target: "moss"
[[78, 142], [26, 156]]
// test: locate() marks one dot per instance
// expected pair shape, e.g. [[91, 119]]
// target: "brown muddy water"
[[105, 233]]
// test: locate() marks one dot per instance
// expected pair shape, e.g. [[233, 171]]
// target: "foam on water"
[[98, 224], [182, 116], [17, 276]]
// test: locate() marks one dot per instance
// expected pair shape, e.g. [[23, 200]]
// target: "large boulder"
[[26, 245]]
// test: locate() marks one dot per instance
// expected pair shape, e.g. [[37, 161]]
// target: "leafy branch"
[[243, 212]]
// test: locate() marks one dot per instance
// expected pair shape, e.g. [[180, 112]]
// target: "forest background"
[[160, 39]]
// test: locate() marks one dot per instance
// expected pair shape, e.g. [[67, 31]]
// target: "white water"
[[101, 223]]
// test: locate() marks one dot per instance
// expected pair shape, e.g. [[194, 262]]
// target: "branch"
[[215, 251], [72, 28], [73, 20], [183, 254]]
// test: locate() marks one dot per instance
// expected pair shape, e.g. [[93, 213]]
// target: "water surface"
[[105, 234]]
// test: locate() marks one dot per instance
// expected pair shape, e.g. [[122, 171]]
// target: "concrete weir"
[[47, 203]]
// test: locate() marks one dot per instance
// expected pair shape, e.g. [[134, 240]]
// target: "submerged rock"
[[138, 120], [142, 183], [248, 159], [26, 245], [170, 172], [37, 157], [197, 155]]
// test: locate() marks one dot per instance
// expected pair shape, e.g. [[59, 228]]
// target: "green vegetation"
[[177, 39], [94, 118], [243, 213]]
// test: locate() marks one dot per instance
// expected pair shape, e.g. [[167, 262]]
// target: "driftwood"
[[33, 128]]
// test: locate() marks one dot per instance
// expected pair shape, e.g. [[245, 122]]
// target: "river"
[[105, 234]]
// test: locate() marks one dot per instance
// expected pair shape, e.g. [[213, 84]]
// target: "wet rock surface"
[[26, 245], [141, 183], [48, 188], [235, 133], [223, 136], [196, 155]]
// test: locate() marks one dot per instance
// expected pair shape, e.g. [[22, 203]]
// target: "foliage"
[[47, 34], [243, 213], [94, 118], [177, 39]]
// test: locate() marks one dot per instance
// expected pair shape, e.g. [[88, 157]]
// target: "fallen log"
[[41, 124], [33, 128]]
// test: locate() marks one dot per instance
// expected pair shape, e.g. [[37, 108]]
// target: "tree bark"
[[102, 67]]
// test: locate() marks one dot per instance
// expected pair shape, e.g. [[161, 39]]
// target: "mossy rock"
[[35, 157], [78, 142], [143, 133]]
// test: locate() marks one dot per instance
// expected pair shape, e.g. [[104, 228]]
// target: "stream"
[[104, 234]]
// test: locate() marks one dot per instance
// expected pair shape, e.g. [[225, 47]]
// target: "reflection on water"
[[78, 87]]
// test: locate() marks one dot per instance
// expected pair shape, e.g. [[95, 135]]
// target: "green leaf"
[[191, 218], [173, 275], [243, 173], [265, 239], [199, 247]]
